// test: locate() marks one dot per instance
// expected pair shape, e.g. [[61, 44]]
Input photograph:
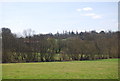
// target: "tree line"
[[66, 46]]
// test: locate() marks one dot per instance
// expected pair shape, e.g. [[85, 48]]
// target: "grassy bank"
[[98, 69]]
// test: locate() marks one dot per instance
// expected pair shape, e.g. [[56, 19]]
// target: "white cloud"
[[78, 9], [97, 17], [84, 9], [93, 15], [90, 14], [87, 9]]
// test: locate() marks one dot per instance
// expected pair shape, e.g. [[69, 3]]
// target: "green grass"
[[98, 69]]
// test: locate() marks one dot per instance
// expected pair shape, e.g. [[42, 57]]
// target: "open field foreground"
[[98, 69]]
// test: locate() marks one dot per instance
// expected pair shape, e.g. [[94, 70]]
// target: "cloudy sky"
[[46, 17]]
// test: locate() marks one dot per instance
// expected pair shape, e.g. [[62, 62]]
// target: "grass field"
[[98, 69]]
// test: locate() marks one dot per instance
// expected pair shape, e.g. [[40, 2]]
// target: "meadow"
[[97, 69]]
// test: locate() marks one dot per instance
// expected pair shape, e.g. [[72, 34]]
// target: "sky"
[[53, 17]]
